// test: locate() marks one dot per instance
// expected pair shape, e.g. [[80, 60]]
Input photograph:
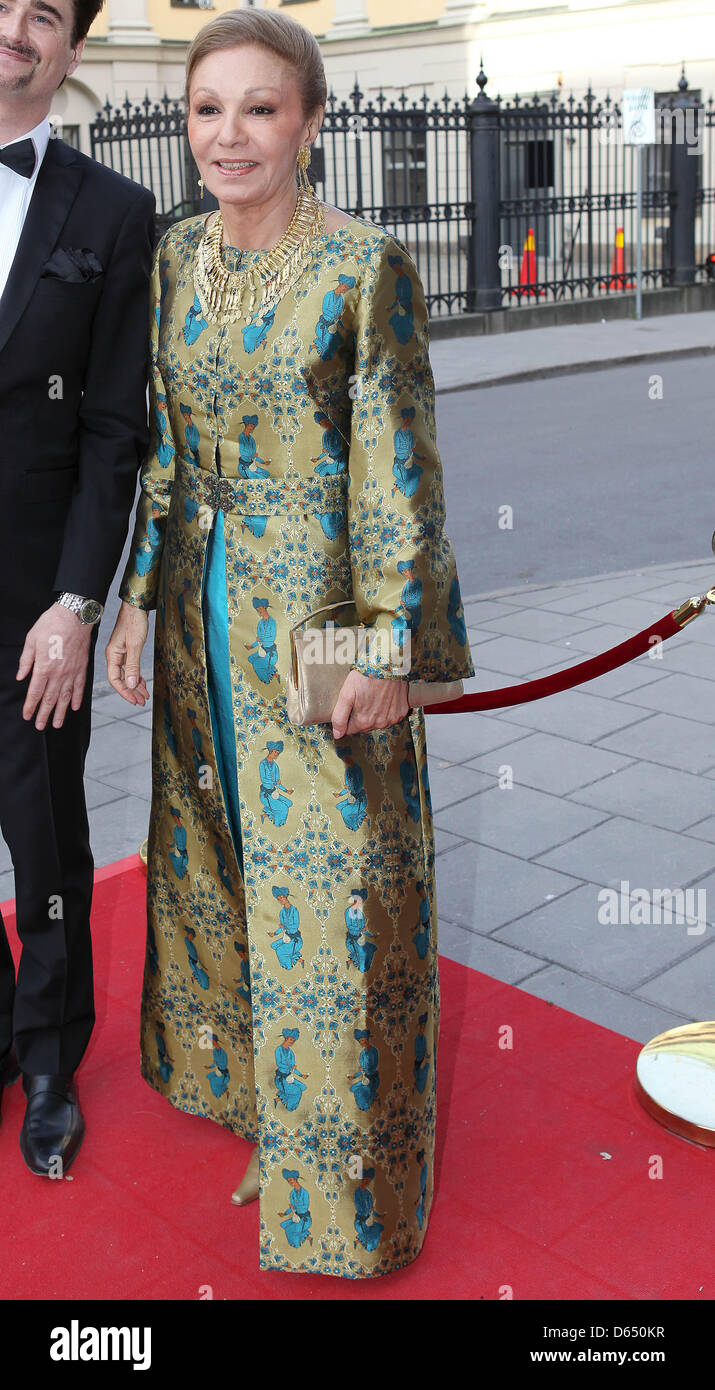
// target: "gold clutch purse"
[[321, 663]]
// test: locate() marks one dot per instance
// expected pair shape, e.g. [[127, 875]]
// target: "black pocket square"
[[71, 263]]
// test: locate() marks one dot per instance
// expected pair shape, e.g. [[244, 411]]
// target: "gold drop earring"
[[303, 161], [201, 186]]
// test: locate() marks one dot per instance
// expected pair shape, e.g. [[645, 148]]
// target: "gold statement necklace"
[[222, 293]]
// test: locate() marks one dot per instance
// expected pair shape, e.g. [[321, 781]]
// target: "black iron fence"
[[500, 203]]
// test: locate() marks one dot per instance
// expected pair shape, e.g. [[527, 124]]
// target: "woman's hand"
[[367, 702], [123, 652]]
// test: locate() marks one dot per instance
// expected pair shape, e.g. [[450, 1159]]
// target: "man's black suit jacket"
[[74, 341]]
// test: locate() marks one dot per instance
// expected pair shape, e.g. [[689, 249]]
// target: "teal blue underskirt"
[[218, 673]]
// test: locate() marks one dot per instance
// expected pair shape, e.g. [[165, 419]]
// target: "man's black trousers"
[[48, 1010]]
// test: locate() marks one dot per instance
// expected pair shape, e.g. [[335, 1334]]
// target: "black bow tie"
[[20, 157]]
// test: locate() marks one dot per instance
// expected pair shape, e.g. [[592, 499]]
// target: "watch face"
[[90, 611]]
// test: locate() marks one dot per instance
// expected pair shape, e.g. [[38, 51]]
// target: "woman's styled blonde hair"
[[280, 35]]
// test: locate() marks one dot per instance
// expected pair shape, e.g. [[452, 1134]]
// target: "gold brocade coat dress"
[[291, 990]]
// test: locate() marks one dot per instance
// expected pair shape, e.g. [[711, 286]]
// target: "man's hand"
[[366, 702], [123, 652], [57, 647]]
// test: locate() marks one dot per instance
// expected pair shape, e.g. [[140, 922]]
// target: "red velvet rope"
[[562, 680]]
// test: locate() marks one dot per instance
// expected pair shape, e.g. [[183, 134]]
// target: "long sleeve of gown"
[[141, 576], [404, 572]]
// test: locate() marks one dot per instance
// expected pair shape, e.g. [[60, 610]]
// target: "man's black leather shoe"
[[53, 1128], [9, 1072]]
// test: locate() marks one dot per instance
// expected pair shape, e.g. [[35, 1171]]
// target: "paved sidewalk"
[[612, 782], [465, 362]]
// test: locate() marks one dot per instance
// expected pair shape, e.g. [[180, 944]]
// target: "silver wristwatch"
[[88, 610]]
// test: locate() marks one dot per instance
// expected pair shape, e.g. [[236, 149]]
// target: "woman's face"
[[244, 105]]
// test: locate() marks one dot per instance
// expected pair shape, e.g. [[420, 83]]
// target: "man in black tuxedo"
[[75, 259]]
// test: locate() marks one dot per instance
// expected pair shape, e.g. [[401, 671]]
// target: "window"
[[404, 163], [68, 133]]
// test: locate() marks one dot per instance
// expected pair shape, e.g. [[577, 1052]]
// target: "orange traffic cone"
[[618, 267], [527, 274]]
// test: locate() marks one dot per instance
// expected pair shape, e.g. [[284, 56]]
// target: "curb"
[[598, 364], [587, 579]]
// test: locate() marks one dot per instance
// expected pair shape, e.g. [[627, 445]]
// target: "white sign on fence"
[[638, 109]]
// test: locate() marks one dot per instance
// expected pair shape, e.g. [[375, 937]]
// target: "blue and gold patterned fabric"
[[291, 989]]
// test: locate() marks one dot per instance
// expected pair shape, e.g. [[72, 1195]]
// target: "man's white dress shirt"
[[15, 194]]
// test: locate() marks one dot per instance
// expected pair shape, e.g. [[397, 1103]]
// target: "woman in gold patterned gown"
[[291, 990]]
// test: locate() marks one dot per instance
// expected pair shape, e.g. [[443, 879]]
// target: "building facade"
[[529, 47]]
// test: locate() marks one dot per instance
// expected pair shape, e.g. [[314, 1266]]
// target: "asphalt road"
[[599, 476]]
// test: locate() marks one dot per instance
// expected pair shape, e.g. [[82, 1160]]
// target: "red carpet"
[[543, 1178]]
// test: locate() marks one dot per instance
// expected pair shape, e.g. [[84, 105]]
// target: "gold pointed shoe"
[[248, 1188]]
